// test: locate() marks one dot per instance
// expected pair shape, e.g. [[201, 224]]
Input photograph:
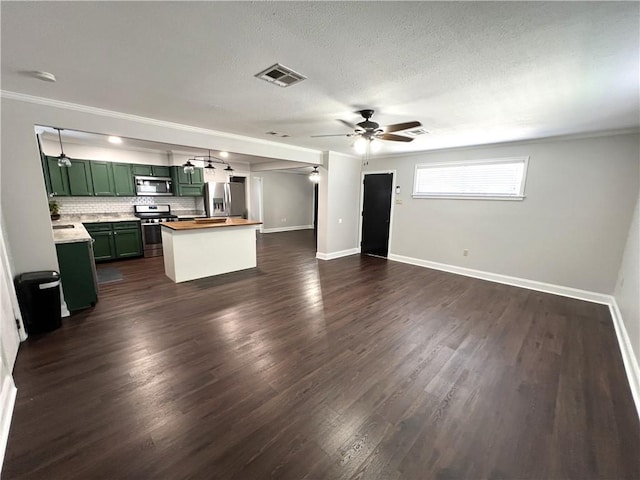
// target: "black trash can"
[[39, 300]]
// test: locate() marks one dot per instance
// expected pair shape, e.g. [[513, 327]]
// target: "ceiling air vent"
[[416, 132], [280, 75]]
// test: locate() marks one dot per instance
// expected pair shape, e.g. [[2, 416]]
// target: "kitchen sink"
[[60, 227]]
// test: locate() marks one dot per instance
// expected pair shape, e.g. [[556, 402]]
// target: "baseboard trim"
[[287, 229], [339, 254], [7, 402], [508, 280], [624, 344], [628, 356]]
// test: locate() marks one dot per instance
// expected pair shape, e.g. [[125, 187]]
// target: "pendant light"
[[189, 167], [315, 175], [63, 160], [209, 159], [228, 169]]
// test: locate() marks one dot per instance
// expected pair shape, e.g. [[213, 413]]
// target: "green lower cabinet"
[[77, 274], [103, 247], [128, 242], [115, 240]]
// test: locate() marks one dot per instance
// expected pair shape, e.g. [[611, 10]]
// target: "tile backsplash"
[[87, 205]]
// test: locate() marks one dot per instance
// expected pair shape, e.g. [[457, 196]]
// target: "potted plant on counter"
[[54, 210]]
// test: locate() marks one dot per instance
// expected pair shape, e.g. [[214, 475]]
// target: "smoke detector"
[[280, 75]]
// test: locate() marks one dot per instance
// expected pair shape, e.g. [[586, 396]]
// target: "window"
[[501, 179]]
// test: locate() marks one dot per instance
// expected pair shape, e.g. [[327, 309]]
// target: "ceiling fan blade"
[[396, 127], [333, 135], [352, 126], [394, 138]]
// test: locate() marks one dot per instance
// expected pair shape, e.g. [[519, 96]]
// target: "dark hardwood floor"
[[356, 368]]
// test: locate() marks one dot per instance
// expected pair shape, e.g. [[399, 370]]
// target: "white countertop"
[[96, 218], [70, 235]]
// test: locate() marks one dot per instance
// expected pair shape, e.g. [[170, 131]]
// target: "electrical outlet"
[[398, 201], [284, 220], [465, 253]]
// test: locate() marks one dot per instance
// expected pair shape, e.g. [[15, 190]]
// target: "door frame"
[[391, 212]]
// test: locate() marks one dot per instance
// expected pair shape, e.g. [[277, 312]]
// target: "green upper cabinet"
[[151, 170], [197, 177], [80, 183], [143, 170], [123, 180], [102, 178], [181, 176], [160, 171], [188, 184], [58, 178]]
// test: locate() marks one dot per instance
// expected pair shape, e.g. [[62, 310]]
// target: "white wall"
[[287, 200], [570, 230], [23, 195], [338, 205], [627, 292]]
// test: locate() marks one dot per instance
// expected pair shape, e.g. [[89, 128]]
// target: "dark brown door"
[[376, 213]]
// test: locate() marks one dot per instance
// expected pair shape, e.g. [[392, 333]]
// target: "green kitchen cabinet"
[[127, 240], [103, 247], [160, 171], [151, 170], [58, 178], [188, 184], [197, 177], [123, 180], [77, 273], [102, 179], [80, 183], [115, 240], [143, 170]]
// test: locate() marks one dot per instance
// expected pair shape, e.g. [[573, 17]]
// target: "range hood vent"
[[280, 75]]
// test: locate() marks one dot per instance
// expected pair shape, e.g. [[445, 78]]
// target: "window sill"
[[472, 197]]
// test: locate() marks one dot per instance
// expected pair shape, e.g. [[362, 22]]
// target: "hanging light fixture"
[[63, 160], [228, 169], [189, 167], [315, 175], [209, 165]]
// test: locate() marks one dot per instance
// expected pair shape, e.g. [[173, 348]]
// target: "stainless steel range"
[[150, 217]]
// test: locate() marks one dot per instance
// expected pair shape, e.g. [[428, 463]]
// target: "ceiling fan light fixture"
[[360, 145], [375, 145], [314, 176]]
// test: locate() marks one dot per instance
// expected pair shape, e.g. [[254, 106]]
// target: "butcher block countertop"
[[196, 225]]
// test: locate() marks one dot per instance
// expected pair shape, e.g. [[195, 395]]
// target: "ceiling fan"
[[369, 130]]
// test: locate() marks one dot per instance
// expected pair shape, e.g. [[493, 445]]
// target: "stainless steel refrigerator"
[[225, 199]]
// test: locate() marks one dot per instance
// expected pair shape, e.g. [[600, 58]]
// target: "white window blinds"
[[499, 178]]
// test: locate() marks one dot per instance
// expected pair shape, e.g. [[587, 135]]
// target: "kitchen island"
[[201, 248]]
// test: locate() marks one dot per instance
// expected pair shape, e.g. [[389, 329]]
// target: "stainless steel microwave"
[[154, 186]]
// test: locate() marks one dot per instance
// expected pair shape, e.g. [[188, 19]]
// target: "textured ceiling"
[[471, 72]]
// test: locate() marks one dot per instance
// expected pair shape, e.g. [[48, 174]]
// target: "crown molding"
[[23, 97], [523, 141]]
